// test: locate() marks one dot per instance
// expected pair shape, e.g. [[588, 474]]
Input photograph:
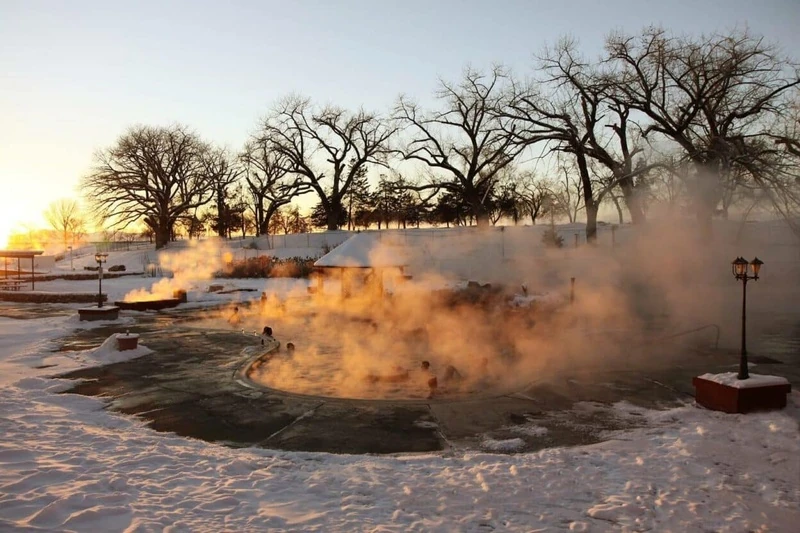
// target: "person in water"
[[433, 385], [234, 319], [451, 375], [431, 380], [266, 334]]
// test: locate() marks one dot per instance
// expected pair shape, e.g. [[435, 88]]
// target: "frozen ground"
[[68, 465]]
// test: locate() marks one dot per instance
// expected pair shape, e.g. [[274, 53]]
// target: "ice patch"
[[530, 430], [506, 445]]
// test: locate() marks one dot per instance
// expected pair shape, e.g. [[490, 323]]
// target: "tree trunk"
[[350, 213], [222, 215], [333, 223], [704, 224], [591, 223], [708, 195], [262, 222], [588, 198], [633, 202], [619, 209], [481, 215], [162, 233], [334, 209]]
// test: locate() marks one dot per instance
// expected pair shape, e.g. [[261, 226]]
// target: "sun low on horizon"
[[8, 225], [5, 232], [17, 218]]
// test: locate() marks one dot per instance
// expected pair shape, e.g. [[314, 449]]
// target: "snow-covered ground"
[[68, 465]]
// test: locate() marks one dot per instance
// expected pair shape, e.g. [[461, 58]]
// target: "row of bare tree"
[[714, 118]]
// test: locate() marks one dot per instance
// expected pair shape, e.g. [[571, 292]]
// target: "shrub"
[[269, 267], [552, 239]]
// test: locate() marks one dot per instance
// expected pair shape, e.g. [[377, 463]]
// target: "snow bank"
[[364, 250], [545, 299], [505, 445], [68, 464], [108, 352]]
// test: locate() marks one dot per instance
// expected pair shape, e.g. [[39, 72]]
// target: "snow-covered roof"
[[363, 250]]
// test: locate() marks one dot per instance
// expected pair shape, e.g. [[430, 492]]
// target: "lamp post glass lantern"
[[100, 258], [739, 268]]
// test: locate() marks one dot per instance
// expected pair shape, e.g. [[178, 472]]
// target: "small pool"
[[340, 355]]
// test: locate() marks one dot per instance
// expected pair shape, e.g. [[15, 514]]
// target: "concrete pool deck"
[[187, 386]]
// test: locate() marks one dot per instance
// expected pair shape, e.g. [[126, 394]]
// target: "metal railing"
[[121, 246], [689, 332]]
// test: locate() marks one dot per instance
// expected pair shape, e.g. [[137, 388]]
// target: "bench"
[[10, 284]]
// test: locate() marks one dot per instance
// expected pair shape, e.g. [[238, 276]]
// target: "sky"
[[75, 75]]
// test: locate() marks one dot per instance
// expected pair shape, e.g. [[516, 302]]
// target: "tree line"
[[700, 123]]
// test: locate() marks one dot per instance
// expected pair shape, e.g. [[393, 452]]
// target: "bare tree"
[[535, 195], [327, 147], [269, 183], [468, 141], [568, 194], [64, 216], [569, 105], [611, 137], [568, 120], [223, 172], [152, 174], [718, 97]]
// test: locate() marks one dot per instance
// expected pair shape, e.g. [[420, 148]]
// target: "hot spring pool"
[[361, 359]]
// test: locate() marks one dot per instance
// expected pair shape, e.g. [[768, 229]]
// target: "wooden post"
[[379, 281]]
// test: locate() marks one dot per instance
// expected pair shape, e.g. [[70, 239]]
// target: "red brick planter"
[[741, 396], [127, 341], [149, 305], [107, 312]]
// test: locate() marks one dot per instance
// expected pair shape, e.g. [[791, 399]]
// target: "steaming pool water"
[[356, 358]]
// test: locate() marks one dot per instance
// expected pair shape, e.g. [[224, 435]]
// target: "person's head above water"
[[267, 331], [290, 346], [425, 365]]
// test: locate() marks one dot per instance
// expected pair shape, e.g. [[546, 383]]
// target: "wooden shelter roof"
[[20, 254]]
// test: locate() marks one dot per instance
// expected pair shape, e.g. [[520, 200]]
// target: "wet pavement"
[[24, 311], [187, 386]]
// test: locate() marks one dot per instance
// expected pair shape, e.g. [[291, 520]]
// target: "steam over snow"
[[68, 465]]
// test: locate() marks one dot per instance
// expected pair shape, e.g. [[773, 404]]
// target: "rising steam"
[[658, 279], [189, 267]]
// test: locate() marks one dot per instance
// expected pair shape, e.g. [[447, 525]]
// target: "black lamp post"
[[100, 258], [739, 266]]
